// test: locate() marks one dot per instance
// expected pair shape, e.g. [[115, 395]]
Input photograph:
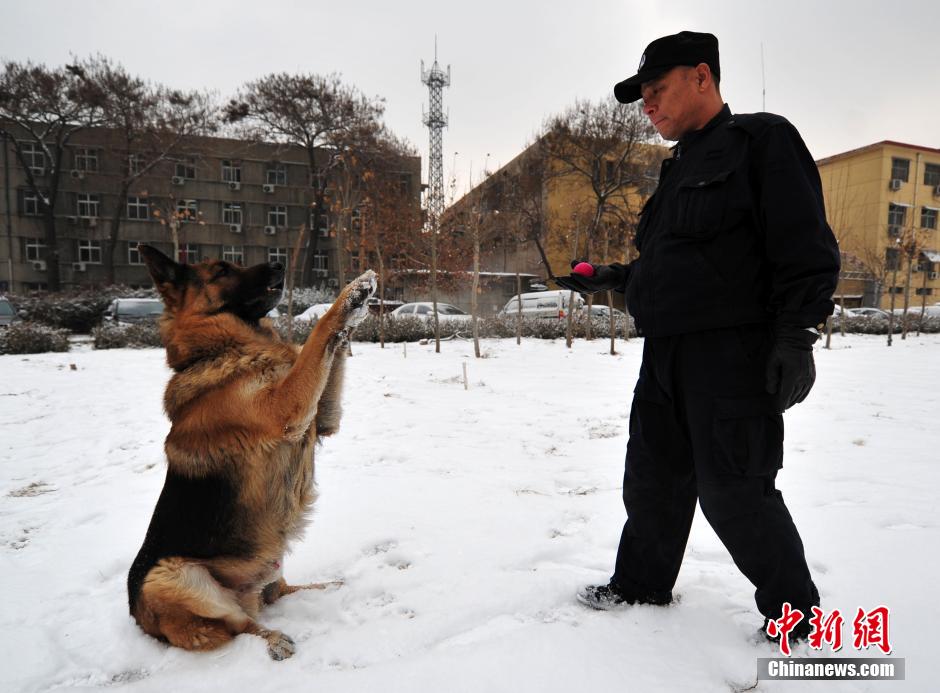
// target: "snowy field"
[[462, 523]]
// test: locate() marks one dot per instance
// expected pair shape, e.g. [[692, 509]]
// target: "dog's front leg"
[[292, 403]]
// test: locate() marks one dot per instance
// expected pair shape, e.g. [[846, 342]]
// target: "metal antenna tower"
[[436, 120]]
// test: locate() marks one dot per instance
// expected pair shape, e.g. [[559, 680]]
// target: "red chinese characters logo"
[[869, 629]]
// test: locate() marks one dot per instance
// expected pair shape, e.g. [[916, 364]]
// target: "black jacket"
[[735, 233]]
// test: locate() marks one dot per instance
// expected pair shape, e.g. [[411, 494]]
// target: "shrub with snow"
[[32, 338]]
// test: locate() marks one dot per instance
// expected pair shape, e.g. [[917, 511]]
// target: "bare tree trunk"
[[894, 283], [378, 254], [907, 292], [923, 304], [610, 297], [437, 324], [518, 299], [568, 331], [475, 286], [292, 271]]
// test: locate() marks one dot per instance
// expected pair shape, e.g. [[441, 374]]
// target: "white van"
[[543, 304]]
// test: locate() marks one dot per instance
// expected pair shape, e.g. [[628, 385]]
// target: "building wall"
[[858, 192], [161, 190]]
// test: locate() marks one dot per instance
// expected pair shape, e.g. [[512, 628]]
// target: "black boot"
[[610, 596]]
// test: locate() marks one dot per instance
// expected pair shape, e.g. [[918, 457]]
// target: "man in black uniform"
[[733, 283]]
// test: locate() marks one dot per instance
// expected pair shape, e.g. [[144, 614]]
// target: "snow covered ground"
[[462, 523]]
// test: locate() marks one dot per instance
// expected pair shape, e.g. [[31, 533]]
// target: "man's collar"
[[688, 140]]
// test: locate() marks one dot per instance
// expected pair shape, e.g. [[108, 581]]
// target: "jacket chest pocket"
[[701, 204]]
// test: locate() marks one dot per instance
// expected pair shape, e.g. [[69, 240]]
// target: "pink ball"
[[584, 268]]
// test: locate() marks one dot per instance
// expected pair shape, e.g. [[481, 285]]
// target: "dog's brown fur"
[[246, 411]]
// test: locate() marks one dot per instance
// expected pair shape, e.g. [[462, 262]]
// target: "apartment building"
[[215, 198]]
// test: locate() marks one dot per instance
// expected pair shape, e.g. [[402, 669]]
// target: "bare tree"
[[148, 125], [311, 111], [41, 109]]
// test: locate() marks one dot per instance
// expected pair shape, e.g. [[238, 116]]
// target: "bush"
[[76, 311], [134, 336], [32, 338], [861, 324]]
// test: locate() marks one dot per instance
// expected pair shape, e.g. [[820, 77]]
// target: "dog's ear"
[[168, 276]]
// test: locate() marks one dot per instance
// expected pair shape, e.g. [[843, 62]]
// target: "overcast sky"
[[846, 73]]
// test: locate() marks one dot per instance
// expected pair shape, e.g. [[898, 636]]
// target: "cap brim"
[[628, 90]]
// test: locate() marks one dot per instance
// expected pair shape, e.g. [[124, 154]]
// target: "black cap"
[[685, 48]]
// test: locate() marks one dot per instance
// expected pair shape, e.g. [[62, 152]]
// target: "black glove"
[[790, 368], [605, 278]]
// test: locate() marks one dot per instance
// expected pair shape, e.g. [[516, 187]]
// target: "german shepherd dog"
[[246, 410]]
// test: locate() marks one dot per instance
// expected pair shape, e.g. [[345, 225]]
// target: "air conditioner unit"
[[76, 173], [895, 184], [72, 220], [39, 265], [333, 282], [234, 185], [932, 275], [268, 187], [270, 230], [235, 228], [936, 191], [92, 222], [177, 180], [79, 266], [319, 273], [894, 231]]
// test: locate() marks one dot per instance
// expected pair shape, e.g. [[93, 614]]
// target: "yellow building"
[[883, 201], [536, 213]]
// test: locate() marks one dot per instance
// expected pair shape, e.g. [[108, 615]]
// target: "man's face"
[[673, 103]]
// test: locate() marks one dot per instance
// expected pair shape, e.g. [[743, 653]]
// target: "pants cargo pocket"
[[747, 437]]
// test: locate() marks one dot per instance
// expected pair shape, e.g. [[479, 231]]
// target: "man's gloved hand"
[[598, 278], [790, 368]]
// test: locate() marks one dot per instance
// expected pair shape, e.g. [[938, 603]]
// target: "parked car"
[[542, 304], [316, 311], [867, 312], [7, 313], [424, 310], [125, 311]]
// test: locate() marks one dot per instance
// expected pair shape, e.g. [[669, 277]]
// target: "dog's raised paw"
[[280, 646]]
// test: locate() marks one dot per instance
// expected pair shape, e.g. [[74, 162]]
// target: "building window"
[[187, 210], [234, 254], [135, 164], [137, 208], [278, 255], [610, 171], [924, 292], [86, 159], [277, 216], [896, 216], [397, 261], [88, 205], [89, 251], [30, 203], [355, 220], [896, 290], [900, 169], [324, 224], [321, 264], [932, 175], [231, 171], [276, 175], [404, 183], [232, 213], [188, 253], [35, 249], [34, 156], [133, 254], [186, 168], [892, 259], [928, 218]]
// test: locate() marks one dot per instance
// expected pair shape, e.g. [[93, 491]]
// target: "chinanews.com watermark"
[[869, 630]]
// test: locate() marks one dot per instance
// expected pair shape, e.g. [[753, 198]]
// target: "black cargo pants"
[[702, 427]]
